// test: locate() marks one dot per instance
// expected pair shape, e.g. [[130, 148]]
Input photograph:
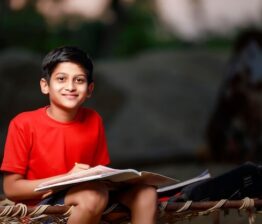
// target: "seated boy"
[[48, 142]]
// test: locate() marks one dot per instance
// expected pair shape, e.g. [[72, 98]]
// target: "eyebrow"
[[64, 73]]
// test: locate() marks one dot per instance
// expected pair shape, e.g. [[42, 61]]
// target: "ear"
[[90, 89], [44, 86]]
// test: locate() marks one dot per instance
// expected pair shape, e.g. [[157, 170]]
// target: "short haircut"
[[67, 54]]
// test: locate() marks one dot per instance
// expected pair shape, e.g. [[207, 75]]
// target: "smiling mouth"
[[70, 96]]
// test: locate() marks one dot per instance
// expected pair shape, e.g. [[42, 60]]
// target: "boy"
[[49, 141]]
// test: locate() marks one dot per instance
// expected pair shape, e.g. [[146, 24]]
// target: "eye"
[[60, 78], [80, 80]]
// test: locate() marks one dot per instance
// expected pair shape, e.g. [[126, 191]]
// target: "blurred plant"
[[137, 28], [132, 28], [124, 30], [22, 28]]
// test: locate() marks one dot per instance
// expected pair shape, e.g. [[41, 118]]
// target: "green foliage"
[[26, 28], [138, 31], [23, 28], [135, 29], [86, 36]]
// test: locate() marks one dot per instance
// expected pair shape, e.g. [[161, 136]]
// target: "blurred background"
[[178, 83]]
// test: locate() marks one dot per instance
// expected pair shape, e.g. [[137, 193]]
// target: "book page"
[[153, 179], [94, 171], [203, 176], [102, 173]]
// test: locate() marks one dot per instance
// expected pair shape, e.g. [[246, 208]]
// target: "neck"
[[61, 115]]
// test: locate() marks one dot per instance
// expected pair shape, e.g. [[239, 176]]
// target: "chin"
[[70, 107]]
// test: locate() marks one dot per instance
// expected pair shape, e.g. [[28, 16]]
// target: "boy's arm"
[[17, 188]]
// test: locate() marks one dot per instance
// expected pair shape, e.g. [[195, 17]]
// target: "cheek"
[[56, 87], [83, 93], [83, 89]]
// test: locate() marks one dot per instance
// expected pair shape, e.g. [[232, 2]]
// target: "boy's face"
[[68, 87]]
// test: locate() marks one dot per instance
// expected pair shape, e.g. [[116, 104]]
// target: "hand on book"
[[79, 167]]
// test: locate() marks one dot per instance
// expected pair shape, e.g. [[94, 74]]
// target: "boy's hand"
[[47, 194], [79, 167]]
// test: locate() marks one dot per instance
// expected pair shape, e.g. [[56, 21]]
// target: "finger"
[[82, 166], [47, 194]]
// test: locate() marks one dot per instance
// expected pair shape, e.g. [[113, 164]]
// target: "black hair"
[[67, 54]]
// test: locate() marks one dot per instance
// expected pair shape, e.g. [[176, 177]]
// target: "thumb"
[[82, 166]]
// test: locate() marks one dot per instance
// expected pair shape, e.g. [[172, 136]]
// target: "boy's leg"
[[89, 200], [142, 201]]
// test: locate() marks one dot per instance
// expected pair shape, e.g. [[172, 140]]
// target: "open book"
[[203, 176], [103, 173]]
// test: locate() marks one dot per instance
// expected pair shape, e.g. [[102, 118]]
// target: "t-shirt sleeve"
[[102, 154], [16, 151]]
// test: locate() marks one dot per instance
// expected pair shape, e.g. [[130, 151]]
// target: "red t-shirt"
[[38, 146]]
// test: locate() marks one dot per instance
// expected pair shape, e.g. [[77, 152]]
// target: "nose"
[[70, 86]]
